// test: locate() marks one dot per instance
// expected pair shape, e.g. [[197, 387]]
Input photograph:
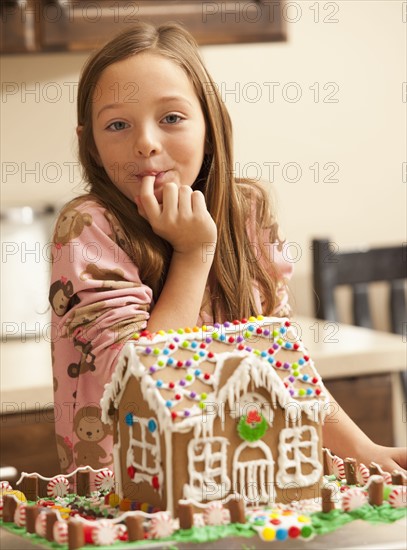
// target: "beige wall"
[[360, 60]]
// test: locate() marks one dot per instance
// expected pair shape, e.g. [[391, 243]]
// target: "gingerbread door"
[[253, 472]]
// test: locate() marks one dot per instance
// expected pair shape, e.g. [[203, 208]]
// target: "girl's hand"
[[182, 219], [389, 458]]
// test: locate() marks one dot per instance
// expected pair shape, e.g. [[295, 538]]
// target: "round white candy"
[[161, 525], [354, 498], [104, 533], [215, 514]]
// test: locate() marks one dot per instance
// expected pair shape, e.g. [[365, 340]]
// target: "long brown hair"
[[229, 200]]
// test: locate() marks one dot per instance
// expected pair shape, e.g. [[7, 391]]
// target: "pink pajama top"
[[98, 301]]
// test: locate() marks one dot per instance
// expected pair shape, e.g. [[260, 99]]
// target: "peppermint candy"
[[104, 534], [41, 524], [121, 531], [161, 525], [338, 467], [387, 477], [20, 514], [398, 497], [60, 532], [1, 507], [58, 487], [215, 514], [5, 486], [104, 480], [362, 474], [354, 498]]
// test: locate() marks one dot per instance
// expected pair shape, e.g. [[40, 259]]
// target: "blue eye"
[[172, 115], [117, 126]]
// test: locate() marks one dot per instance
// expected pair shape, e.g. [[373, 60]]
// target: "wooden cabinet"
[[81, 25], [367, 400], [27, 442]]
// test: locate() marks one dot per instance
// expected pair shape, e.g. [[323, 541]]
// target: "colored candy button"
[[268, 533]]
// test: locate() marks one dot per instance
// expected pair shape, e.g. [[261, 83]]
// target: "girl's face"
[[147, 120]]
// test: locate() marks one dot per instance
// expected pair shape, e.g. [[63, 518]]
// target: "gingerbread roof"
[[180, 370]]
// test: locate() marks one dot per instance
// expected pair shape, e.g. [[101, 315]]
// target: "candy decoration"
[[20, 515], [41, 524], [17, 494], [58, 487], [362, 474], [387, 477], [104, 480], [60, 532], [252, 426], [338, 467], [215, 514], [104, 534], [121, 532], [1, 507], [4, 486], [161, 525], [398, 497], [354, 498]]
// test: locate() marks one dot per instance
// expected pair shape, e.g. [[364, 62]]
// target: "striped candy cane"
[[58, 487]]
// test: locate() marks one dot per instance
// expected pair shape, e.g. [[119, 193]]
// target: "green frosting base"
[[327, 522], [322, 523]]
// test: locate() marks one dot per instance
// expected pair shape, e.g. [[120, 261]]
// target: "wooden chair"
[[357, 269]]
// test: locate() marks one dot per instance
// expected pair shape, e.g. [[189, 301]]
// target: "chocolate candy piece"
[[236, 509], [135, 528], [350, 471], [186, 516], [76, 535]]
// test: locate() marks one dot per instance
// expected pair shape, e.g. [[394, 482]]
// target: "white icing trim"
[[168, 470], [39, 476]]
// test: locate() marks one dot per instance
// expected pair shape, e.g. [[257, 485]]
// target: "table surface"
[[357, 535], [338, 351]]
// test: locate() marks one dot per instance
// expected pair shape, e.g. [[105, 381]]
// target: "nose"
[[147, 142]]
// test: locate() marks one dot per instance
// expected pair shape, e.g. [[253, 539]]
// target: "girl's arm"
[[184, 221], [345, 439]]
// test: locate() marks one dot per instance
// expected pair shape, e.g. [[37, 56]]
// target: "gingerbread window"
[[144, 454], [207, 469], [298, 457]]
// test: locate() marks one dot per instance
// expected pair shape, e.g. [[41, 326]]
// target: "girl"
[[166, 237]]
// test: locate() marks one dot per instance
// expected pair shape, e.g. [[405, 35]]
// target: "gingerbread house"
[[200, 414]]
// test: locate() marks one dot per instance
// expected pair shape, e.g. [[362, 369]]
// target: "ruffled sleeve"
[[96, 293]]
